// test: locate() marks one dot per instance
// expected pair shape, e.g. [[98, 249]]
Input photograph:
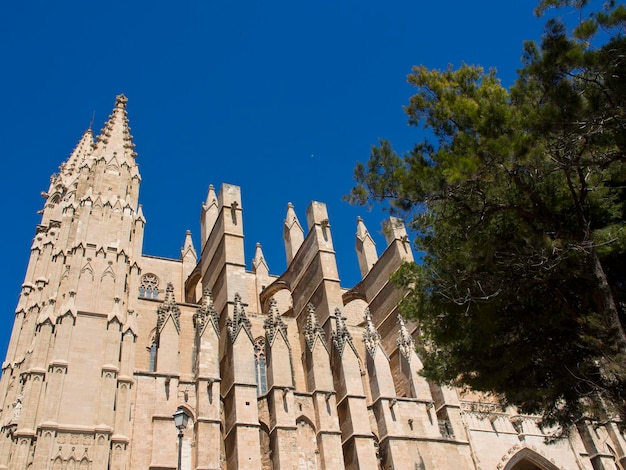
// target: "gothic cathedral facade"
[[275, 372]]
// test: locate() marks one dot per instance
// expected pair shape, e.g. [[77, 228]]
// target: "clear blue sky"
[[281, 98]]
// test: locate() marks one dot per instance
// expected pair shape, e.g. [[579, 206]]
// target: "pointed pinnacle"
[[291, 218], [210, 197], [361, 229], [115, 136], [259, 258]]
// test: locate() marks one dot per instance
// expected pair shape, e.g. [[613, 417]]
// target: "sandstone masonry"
[[276, 372]]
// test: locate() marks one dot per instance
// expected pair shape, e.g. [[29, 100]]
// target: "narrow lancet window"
[[260, 366]]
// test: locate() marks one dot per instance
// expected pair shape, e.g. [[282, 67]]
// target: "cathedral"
[[290, 371]]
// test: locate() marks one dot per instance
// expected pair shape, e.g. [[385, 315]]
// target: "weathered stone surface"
[[286, 372]]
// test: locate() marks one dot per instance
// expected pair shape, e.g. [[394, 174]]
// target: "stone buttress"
[[290, 371]]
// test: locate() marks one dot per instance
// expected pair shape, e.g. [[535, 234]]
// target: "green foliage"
[[518, 208]]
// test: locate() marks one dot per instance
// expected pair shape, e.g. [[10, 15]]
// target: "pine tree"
[[519, 207]]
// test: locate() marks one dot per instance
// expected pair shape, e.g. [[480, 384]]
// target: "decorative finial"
[[206, 313], [406, 345], [371, 336], [169, 308], [120, 101], [341, 335], [312, 329], [239, 321], [275, 324]]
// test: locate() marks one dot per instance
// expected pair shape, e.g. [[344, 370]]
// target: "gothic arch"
[[353, 310], [526, 459], [57, 464], [149, 286], [306, 420], [189, 439], [193, 288], [191, 413], [266, 446], [271, 290], [306, 445]]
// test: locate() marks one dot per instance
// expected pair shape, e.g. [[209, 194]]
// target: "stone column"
[[280, 385], [209, 445], [239, 392], [356, 435], [320, 384]]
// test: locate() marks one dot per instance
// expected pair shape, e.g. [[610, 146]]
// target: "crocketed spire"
[[371, 336], [68, 169], [169, 308], [312, 329], [341, 335], [206, 314], [115, 139], [239, 321], [275, 325], [406, 345]]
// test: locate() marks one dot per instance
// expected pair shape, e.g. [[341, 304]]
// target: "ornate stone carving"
[[259, 346], [275, 324], [481, 407], [312, 329], [149, 287], [341, 335], [17, 408], [406, 345], [206, 314], [371, 336], [239, 321], [168, 308]]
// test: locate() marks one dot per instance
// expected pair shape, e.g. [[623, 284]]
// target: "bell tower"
[[72, 322]]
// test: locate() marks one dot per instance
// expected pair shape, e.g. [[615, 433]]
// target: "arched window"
[[259, 365], [149, 288], [153, 356]]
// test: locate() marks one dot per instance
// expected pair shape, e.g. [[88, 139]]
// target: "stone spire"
[[188, 249], [209, 213], [371, 336], [275, 324], [239, 321], [406, 345], [312, 329], [211, 198], [83, 149], [115, 139], [206, 314], [365, 248], [258, 262], [168, 308], [341, 335], [293, 234], [188, 256]]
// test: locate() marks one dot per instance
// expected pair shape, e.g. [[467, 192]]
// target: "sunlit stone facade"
[[293, 371]]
